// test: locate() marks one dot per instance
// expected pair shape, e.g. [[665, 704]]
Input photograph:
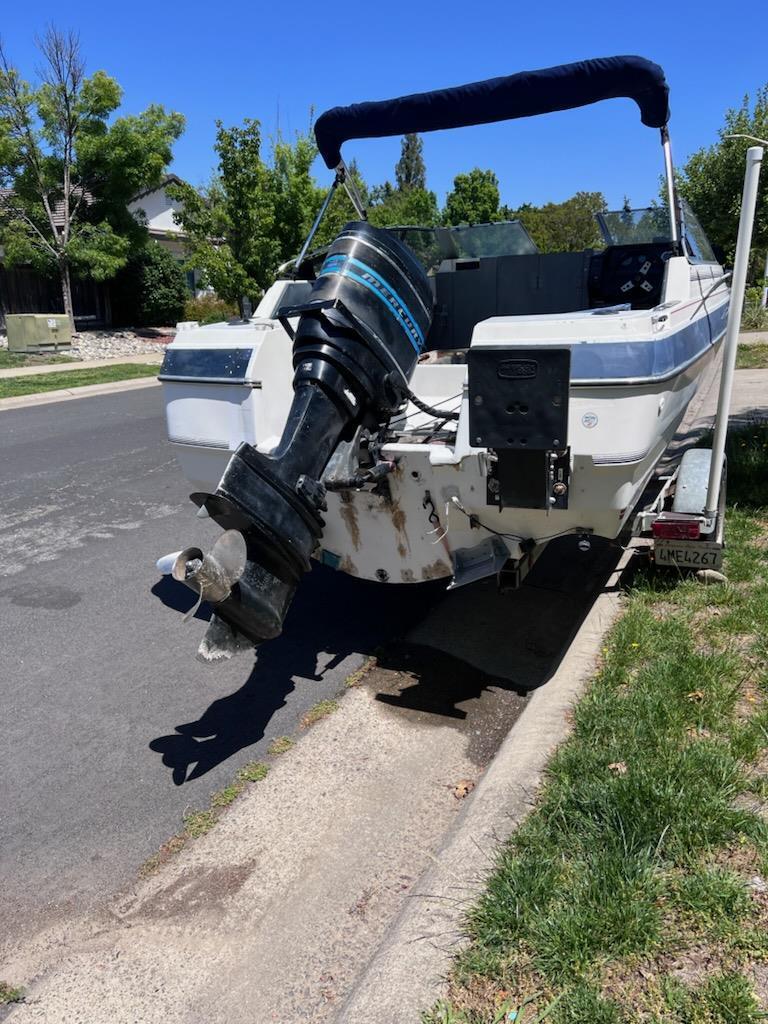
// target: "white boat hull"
[[618, 429]]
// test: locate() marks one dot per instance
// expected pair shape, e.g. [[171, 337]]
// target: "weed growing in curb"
[[199, 823], [280, 745], [320, 710], [254, 771], [356, 677], [10, 994]]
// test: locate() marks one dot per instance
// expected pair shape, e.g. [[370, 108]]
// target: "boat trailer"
[[686, 520]]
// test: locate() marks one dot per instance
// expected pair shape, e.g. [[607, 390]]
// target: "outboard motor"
[[358, 339]]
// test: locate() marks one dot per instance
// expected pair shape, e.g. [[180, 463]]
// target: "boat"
[[412, 404]]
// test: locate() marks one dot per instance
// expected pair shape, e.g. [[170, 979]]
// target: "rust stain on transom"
[[348, 512]]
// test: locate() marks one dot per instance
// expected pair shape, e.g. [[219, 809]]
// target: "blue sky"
[[276, 61]]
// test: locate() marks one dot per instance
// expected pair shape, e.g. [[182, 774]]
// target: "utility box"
[[38, 332]]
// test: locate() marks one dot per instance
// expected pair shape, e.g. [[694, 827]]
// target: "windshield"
[[466, 241], [635, 227]]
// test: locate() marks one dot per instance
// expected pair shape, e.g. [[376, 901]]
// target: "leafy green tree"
[[393, 206], [66, 173], [562, 227], [474, 198], [253, 215], [712, 179], [410, 171]]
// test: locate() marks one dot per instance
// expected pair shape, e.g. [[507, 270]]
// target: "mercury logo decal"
[[589, 420]]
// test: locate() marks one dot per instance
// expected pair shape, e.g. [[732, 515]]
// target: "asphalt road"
[[111, 728]]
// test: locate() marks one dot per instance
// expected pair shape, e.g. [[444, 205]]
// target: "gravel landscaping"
[[115, 344]]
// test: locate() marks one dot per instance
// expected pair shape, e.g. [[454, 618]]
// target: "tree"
[[474, 199], [253, 215], [410, 171], [66, 174], [151, 288], [562, 227], [409, 201], [712, 179]]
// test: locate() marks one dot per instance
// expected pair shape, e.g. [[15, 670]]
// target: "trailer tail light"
[[677, 529]]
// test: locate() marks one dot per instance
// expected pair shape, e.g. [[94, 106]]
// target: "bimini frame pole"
[[343, 175], [669, 173], [320, 214], [738, 284]]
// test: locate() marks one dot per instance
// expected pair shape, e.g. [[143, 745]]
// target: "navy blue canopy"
[[500, 99]]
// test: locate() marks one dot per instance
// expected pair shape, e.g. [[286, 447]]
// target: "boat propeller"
[[212, 576]]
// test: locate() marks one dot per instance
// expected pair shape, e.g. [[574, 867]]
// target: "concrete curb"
[[66, 394], [407, 973]]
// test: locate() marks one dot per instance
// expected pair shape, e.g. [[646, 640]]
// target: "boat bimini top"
[[500, 99], [524, 94]]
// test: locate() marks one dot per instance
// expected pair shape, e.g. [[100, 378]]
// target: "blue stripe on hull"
[[647, 360]]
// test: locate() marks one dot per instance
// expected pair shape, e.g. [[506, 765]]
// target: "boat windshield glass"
[[635, 227], [432, 245], [466, 241]]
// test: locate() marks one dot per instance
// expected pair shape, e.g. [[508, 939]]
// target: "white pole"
[[738, 284], [670, 176], [765, 289]]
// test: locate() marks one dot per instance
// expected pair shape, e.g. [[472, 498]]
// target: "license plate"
[[696, 554]]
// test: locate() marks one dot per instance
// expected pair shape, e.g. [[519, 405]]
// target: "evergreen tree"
[[410, 171]]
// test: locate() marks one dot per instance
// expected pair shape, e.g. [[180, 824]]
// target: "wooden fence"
[[23, 290]]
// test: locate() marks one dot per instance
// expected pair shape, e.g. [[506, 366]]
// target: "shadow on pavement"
[[332, 613], [478, 642]]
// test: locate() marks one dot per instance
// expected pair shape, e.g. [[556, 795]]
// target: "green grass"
[[10, 994], [10, 360], [616, 875], [752, 357], [14, 387]]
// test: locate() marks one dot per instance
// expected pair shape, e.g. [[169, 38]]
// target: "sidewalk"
[[753, 338], [79, 364]]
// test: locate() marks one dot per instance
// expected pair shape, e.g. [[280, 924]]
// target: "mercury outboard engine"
[[358, 339]]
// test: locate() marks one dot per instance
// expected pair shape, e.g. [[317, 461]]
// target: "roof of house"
[[58, 210], [169, 179]]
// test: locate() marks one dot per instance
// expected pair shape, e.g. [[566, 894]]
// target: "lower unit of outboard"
[[358, 339]]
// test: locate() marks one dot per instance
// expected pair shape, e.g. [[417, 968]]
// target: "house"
[[155, 208]]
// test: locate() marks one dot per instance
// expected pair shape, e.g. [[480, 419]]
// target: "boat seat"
[[470, 290], [629, 273]]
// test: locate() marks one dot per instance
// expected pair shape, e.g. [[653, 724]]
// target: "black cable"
[[512, 536], [433, 410]]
